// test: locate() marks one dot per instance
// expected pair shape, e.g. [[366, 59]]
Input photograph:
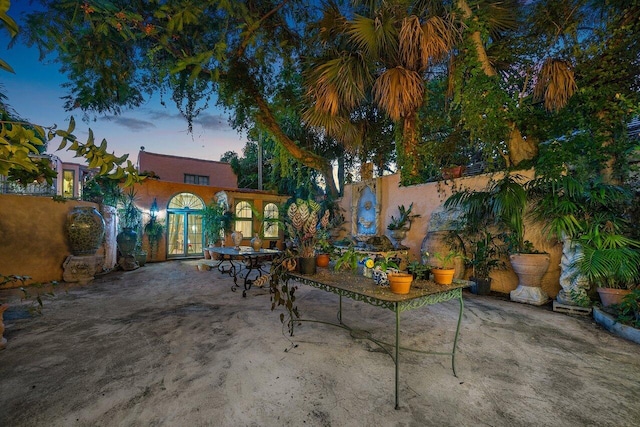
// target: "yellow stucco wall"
[[426, 198], [33, 241]]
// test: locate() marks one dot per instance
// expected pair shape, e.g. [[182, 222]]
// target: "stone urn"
[[85, 230], [530, 268]]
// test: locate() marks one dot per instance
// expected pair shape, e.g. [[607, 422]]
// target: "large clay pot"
[[530, 269], [85, 228], [236, 238], [308, 265], [127, 240]]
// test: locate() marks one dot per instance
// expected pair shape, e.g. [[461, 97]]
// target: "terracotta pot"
[[453, 172], [400, 283], [443, 276], [610, 296], [322, 260]]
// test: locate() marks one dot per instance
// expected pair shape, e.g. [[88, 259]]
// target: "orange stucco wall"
[[33, 237], [428, 197]]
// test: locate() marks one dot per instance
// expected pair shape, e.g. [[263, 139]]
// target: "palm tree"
[[380, 55]]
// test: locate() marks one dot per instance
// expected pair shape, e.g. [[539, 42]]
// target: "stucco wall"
[[426, 198], [33, 238]]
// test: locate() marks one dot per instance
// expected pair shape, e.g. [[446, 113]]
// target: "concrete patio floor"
[[167, 345]]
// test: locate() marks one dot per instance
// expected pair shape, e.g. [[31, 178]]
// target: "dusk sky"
[[35, 93]]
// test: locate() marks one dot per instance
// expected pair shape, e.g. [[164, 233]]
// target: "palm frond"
[[399, 92], [555, 84], [411, 42]]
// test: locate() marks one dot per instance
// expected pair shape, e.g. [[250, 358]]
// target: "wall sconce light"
[[154, 209]]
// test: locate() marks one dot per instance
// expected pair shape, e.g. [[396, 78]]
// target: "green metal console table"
[[360, 288]]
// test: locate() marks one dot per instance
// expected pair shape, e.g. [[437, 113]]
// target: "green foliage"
[[33, 292], [403, 222], [348, 260], [154, 229], [501, 205], [445, 259], [628, 311]]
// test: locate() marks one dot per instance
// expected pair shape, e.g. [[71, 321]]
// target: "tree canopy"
[[419, 83]]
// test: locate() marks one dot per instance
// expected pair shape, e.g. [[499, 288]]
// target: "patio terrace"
[[169, 345]]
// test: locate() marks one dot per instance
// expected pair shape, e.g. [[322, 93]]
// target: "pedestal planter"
[[530, 269], [85, 229]]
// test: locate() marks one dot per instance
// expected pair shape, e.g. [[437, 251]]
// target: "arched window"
[[186, 201], [271, 228], [244, 219]]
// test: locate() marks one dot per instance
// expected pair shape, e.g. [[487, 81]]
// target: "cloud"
[[133, 124], [208, 121], [212, 121]]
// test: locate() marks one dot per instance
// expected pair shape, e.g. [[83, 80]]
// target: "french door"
[[184, 234]]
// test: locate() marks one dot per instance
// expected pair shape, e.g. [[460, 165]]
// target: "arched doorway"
[[184, 226]]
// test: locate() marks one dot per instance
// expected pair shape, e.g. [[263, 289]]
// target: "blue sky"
[[35, 93]]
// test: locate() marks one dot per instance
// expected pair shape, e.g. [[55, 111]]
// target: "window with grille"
[[244, 219], [271, 228], [196, 179]]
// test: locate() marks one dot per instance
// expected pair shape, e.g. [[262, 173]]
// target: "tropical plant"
[[303, 223], [128, 213], [154, 229], [389, 262], [501, 205], [212, 222], [592, 214], [628, 311], [348, 260], [485, 255], [445, 259], [403, 222]]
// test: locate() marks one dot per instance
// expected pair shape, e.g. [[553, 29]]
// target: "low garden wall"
[[33, 237]]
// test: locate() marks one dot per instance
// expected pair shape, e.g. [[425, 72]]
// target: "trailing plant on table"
[[281, 290]]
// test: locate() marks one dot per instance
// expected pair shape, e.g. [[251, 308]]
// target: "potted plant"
[[590, 215], [419, 270], [502, 205], [154, 229], [348, 260], [443, 269], [303, 223], [485, 257], [400, 225], [130, 221], [324, 249]]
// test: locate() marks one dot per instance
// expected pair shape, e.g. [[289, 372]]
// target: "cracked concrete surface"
[[167, 345]]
